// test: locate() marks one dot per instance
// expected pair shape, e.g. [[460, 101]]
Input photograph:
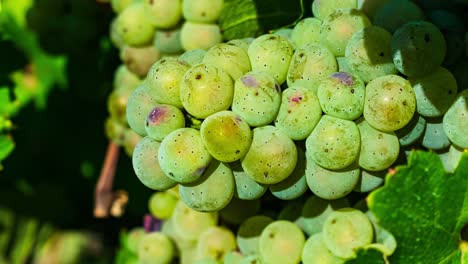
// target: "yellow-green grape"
[[183, 156], [162, 120], [214, 243], [164, 80], [434, 135], [345, 230], [323, 8], [146, 165], [338, 28], [237, 211], [205, 261], [315, 211], [164, 13], [206, 89], [252, 259], [182, 243], [272, 54], [272, 156], [390, 103], [343, 64], [385, 239], [370, 180], [309, 65], [130, 140], [162, 204], [232, 257], [134, 237], [226, 136], [370, 7], [281, 242], [139, 59], [189, 223], [299, 112], [202, 11], [315, 251], [168, 41], [119, 5], [193, 57], [123, 78], [114, 130], [139, 104], [241, 43], [368, 53], [248, 234], [155, 248], [115, 35], [334, 144], [331, 184], [232, 59], [418, 48], [456, 120], [407, 11], [341, 95], [199, 35], [257, 98], [134, 26], [284, 32], [295, 185], [379, 150], [187, 256], [212, 191], [306, 31], [125, 83], [246, 187], [434, 92]]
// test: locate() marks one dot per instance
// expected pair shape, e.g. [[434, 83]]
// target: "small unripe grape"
[[164, 13], [134, 26]]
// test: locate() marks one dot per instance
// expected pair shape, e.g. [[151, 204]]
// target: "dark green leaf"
[[367, 256], [6, 146]]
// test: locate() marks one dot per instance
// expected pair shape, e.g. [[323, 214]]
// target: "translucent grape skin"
[[214, 243], [272, 156], [164, 13], [306, 31], [156, 248], [162, 204], [199, 35], [202, 11], [334, 144], [299, 112], [189, 223], [246, 187], [249, 233], [455, 120], [139, 104], [234, 60], [162, 120], [146, 165], [315, 251], [323, 8], [133, 26], [226, 136], [206, 89], [183, 156]]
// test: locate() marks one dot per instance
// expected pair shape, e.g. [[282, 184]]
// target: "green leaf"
[[368, 255], [4, 101], [425, 208], [6, 146], [247, 18]]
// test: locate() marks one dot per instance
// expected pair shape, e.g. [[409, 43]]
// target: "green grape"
[[146, 165], [232, 59], [214, 243], [343, 64], [117, 103], [299, 112], [315, 251], [257, 98], [193, 57], [370, 180], [284, 32], [139, 59], [232, 257], [133, 26], [119, 5], [125, 79], [164, 13], [162, 120], [162, 204], [434, 92], [295, 185], [272, 156], [168, 41], [155, 248], [134, 237], [248, 234], [456, 120], [383, 238], [182, 243], [205, 261], [315, 211], [189, 223], [199, 35], [130, 140], [246, 187], [183, 156], [187, 256], [368, 53], [379, 150], [413, 131], [281, 242], [323, 8], [390, 103], [370, 7], [345, 230], [212, 191], [331, 184], [237, 211], [334, 144], [272, 54], [434, 136], [206, 89], [252, 259], [418, 48], [341, 95], [309, 65], [139, 104], [164, 79], [306, 31], [338, 28], [407, 11], [115, 131], [241, 43], [292, 210], [226, 136], [452, 158], [202, 11]]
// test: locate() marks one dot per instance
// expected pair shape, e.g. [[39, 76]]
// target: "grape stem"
[[103, 192]]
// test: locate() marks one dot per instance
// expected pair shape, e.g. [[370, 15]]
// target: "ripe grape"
[[202, 11], [306, 31], [130, 140], [155, 248], [241, 43], [164, 13], [456, 120], [407, 11], [434, 136], [168, 41], [214, 243], [246, 187], [139, 59], [189, 223], [232, 257], [139, 104], [133, 238], [162, 204], [134, 26], [323, 8], [199, 35], [193, 57], [249, 232], [343, 65], [117, 101], [115, 130], [232, 59], [162, 120], [315, 251]]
